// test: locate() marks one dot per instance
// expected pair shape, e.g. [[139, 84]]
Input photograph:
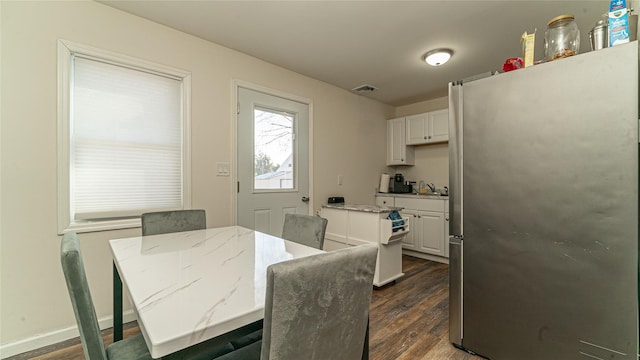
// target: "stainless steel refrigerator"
[[544, 210]]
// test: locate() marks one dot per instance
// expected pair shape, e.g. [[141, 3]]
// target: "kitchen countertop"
[[364, 208], [414, 195]]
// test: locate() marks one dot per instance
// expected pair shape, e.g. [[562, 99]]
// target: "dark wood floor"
[[409, 320]]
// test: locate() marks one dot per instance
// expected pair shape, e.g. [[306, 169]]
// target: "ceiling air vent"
[[364, 89]]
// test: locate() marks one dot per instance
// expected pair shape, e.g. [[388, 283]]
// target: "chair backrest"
[[74, 274], [304, 229], [164, 222], [317, 307]]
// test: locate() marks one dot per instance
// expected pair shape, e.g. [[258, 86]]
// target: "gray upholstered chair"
[[132, 347], [316, 307], [164, 222], [304, 229]]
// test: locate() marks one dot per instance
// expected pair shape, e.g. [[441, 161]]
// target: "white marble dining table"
[[189, 287]]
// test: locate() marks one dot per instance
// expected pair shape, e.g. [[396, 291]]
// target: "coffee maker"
[[399, 186]]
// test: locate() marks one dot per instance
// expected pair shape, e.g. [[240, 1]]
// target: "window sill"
[[103, 225]]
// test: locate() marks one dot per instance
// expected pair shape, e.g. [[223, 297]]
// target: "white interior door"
[[273, 160]]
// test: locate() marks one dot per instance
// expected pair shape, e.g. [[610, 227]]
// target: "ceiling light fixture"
[[438, 57]]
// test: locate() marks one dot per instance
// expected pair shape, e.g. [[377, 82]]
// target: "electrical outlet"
[[223, 169], [339, 179]]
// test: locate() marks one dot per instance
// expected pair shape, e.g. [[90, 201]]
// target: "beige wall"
[[34, 299], [431, 161]]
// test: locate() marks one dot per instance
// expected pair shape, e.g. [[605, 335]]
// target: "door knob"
[[305, 199]]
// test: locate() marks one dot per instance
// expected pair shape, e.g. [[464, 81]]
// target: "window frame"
[[66, 50]]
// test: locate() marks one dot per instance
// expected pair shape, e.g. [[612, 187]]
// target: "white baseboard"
[[54, 337], [424, 256]]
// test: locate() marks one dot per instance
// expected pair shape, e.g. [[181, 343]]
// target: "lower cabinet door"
[[409, 241], [432, 232]]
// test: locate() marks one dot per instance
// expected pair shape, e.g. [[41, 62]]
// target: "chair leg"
[[117, 305], [365, 350]]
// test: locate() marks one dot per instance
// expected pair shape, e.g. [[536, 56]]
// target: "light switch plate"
[[223, 169]]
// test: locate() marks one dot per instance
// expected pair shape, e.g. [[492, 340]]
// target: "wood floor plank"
[[412, 327], [72, 349], [409, 320]]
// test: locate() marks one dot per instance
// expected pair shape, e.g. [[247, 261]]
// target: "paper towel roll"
[[384, 183]]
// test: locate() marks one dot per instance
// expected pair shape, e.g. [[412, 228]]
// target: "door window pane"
[[273, 150]]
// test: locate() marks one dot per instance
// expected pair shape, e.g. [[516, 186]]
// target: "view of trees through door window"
[[273, 150]]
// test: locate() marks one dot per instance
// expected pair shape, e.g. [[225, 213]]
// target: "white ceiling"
[[381, 43]]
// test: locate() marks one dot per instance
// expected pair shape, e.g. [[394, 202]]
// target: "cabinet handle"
[[425, 137], [401, 159], [429, 136], [447, 219]]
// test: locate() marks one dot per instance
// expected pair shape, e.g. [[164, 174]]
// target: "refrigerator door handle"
[[455, 290], [455, 158]]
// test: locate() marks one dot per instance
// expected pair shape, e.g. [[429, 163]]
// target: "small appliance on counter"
[[335, 200], [399, 186], [384, 183]]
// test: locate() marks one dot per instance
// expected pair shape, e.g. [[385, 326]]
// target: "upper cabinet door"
[[439, 125], [427, 128], [417, 129], [397, 151]]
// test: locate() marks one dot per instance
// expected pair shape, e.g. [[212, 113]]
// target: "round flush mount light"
[[438, 57]]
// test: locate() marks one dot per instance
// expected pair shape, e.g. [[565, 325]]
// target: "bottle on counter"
[[422, 188]]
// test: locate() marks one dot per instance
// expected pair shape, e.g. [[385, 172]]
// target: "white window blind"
[[126, 146]]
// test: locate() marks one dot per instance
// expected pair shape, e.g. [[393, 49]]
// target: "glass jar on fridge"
[[562, 38]]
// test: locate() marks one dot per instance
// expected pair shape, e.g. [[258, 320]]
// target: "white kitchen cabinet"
[[352, 225], [417, 128], [439, 122], [409, 241], [385, 201], [426, 128], [397, 151], [431, 228], [428, 221], [427, 232]]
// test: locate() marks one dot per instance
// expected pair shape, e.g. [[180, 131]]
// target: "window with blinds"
[[125, 139]]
